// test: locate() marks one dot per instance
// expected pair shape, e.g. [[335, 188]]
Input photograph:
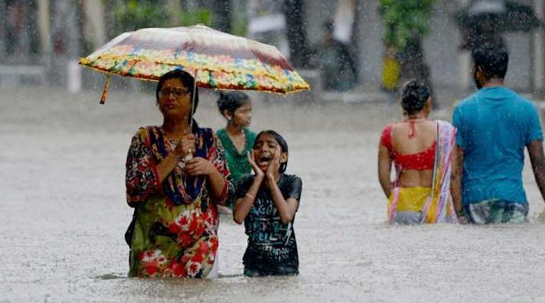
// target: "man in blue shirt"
[[494, 125]]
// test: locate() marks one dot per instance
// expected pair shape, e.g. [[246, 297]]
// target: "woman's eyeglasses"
[[177, 93]]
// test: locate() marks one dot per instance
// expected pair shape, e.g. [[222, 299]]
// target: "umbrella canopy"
[[216, 59], [503, 16]]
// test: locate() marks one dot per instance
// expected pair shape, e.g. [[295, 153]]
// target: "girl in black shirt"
[[267, 202]]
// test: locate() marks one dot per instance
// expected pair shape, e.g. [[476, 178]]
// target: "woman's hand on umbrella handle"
[[186, 147], [199, 166], [251, 159]]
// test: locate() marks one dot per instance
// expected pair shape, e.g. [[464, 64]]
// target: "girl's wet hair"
[[283, 145], [187, 80], [230, 101], [414, 95]]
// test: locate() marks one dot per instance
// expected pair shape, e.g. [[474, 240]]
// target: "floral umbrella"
[[216, 59]]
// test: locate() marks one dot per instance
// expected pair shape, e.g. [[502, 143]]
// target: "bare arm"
[[384, 170], [200, 166], [214, 167], [535, 150], [456, 178], [184, 147], [286, 208], [143, 174], [244, 205], [166, 166]]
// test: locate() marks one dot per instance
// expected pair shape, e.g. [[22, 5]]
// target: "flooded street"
[[63, 213]]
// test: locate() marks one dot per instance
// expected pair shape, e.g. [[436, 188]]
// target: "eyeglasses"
[[177, 93]]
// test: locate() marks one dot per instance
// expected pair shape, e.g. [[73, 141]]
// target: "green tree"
[[131, 15], [406, 23], [402, 18]]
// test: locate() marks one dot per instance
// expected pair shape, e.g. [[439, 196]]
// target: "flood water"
[[63, 213]]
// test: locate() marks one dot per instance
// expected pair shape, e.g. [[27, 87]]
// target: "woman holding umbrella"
[[176, 176]]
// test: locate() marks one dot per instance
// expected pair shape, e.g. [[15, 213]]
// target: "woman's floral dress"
[[174, 232]]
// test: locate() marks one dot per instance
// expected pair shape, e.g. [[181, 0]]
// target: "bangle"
[[250, 196]]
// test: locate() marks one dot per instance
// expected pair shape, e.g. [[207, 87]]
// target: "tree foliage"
[[404, 18], [135, 14]]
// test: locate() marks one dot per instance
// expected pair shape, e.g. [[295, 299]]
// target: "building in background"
[[43, 37]]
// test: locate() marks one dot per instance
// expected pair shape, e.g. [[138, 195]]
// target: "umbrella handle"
[[105, 89], [193, 101], [189, 156]]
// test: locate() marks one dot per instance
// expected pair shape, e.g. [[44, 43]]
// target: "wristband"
[[250, 196]]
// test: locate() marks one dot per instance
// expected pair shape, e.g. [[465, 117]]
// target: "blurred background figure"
[[483, 22], [406, 39], [407, 22], [412, 63], [336, 61], [390, 68]]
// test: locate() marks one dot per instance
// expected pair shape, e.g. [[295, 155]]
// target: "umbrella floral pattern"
[[216, 59]]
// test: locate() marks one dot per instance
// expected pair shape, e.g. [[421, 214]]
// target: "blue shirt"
[[494, 125]]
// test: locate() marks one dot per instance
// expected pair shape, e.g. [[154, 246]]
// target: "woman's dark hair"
[[414, 95], [283, 145], [230, 101], [187, 80], [492, 58]]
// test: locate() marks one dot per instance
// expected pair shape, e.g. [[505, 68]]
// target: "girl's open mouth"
[[264, 160]]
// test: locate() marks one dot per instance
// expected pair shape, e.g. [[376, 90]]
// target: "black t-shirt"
[[272, 249]]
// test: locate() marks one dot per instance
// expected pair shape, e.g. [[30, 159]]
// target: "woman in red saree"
[[421, 150]]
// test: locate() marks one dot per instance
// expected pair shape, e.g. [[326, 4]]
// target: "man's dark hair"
[[492, 59]]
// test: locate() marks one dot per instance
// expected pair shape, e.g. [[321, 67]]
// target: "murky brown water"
[[63, 214]]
